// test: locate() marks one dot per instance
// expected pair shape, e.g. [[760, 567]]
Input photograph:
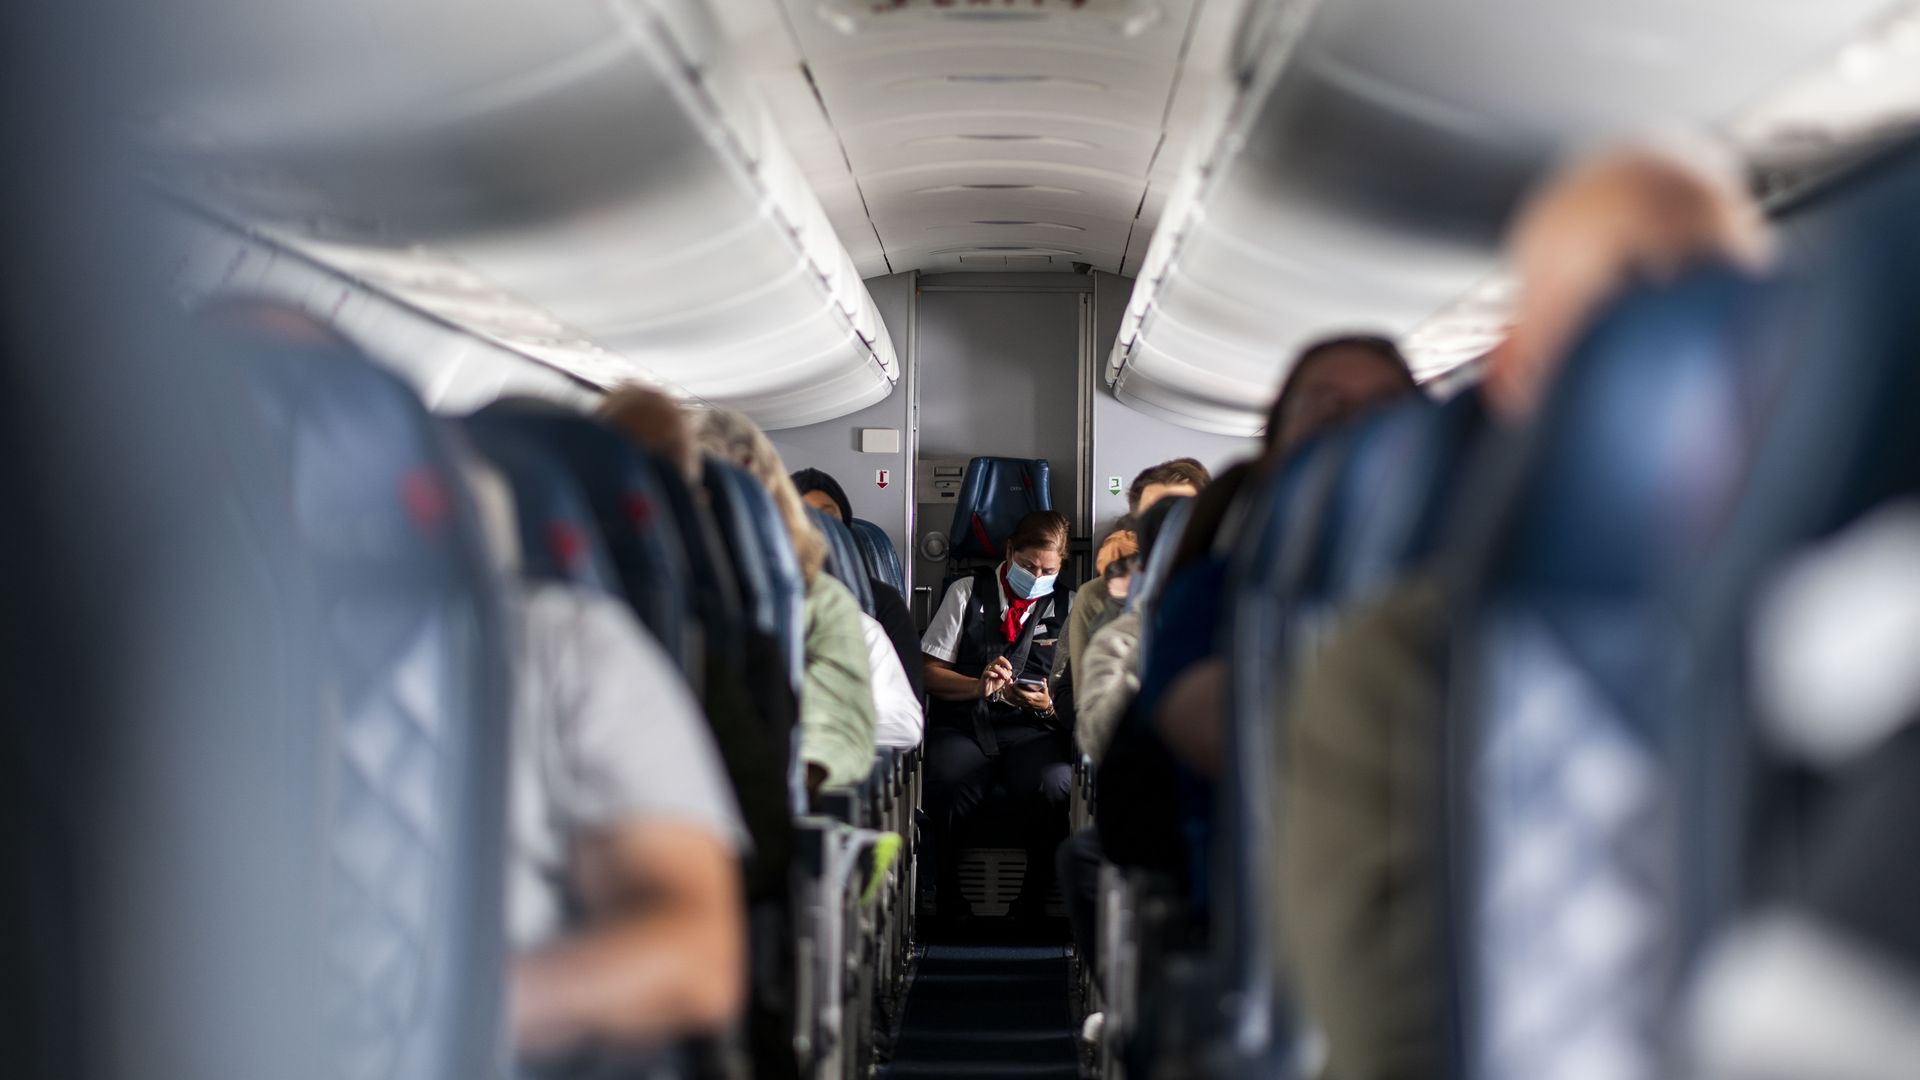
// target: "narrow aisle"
[[987, 1010]]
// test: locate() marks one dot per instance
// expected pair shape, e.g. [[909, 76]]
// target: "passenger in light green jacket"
[[837, 717], [836, 701]]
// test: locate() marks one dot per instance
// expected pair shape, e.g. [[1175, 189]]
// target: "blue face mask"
[[1025, 585]]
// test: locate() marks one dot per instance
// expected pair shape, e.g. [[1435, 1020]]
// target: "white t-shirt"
[[942, 639], [604, 730], [899, 720]]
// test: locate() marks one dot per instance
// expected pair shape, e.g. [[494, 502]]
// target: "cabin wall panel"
[[999, 377]]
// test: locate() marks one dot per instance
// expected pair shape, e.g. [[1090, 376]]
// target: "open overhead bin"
[[1374, 151], [590, 185]]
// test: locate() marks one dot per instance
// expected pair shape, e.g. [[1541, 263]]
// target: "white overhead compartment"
[[591, 185], [1376, 149]]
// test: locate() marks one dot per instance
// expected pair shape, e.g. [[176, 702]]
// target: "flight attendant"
[[989, 650]]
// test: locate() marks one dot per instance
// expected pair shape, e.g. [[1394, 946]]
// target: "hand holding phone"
[[1034, 695]]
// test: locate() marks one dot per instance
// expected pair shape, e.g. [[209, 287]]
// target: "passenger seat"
[[409, 783]]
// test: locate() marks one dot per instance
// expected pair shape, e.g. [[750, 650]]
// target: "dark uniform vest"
[[983, 638]]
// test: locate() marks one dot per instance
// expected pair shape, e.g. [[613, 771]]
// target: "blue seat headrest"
[[764, 559], [843, 558], [1637, 449], [882, 558], [625, 494], [995, 495], [559, 540], [373, 488], [1152, 577]]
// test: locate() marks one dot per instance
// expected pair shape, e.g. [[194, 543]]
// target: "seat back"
[[843, 559], [1278, 548], [876, 547], [412, 780], [718, 603], [1396, 493], [996, 493], [1838, 442], [763, 559], [1152, 578], [559, 540], [634, 517], [1561, 787]]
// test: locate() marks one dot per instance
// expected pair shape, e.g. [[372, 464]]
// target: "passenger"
[[1120, 543], [823, 493], [1111, 674], [751, 717], [1359, 908], [1108, 682], [1181, 476], [1632, 215], [657, 422], [899, 718], [1095, 605], [1155, 781], [1331, 382], [989, 651], [624, 893], [836, 700], [1105, 595]]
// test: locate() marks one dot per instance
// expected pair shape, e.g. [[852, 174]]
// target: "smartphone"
[[1031, 684]]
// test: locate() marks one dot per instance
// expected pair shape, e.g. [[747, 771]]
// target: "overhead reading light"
[[1127, 17]]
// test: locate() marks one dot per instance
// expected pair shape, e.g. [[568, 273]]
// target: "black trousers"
[[1035, 765]]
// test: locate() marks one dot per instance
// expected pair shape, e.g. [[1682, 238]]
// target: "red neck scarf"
[[1016, 607]]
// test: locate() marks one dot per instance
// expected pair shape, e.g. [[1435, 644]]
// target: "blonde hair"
[[1638, 211], [655, 421], [731, 437]]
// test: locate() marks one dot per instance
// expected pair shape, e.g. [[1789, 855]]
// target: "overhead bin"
[[1374, 150], [589, 183]]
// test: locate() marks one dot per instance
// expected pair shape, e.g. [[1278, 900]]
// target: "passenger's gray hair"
[[733, 438]]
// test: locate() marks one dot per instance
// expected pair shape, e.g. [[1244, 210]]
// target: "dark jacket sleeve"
[[890, 608]]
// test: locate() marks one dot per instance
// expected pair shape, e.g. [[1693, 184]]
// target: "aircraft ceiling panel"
[[973, 140]]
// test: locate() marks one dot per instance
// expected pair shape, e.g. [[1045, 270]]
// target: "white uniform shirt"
[[942, 639], [899, 720]]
